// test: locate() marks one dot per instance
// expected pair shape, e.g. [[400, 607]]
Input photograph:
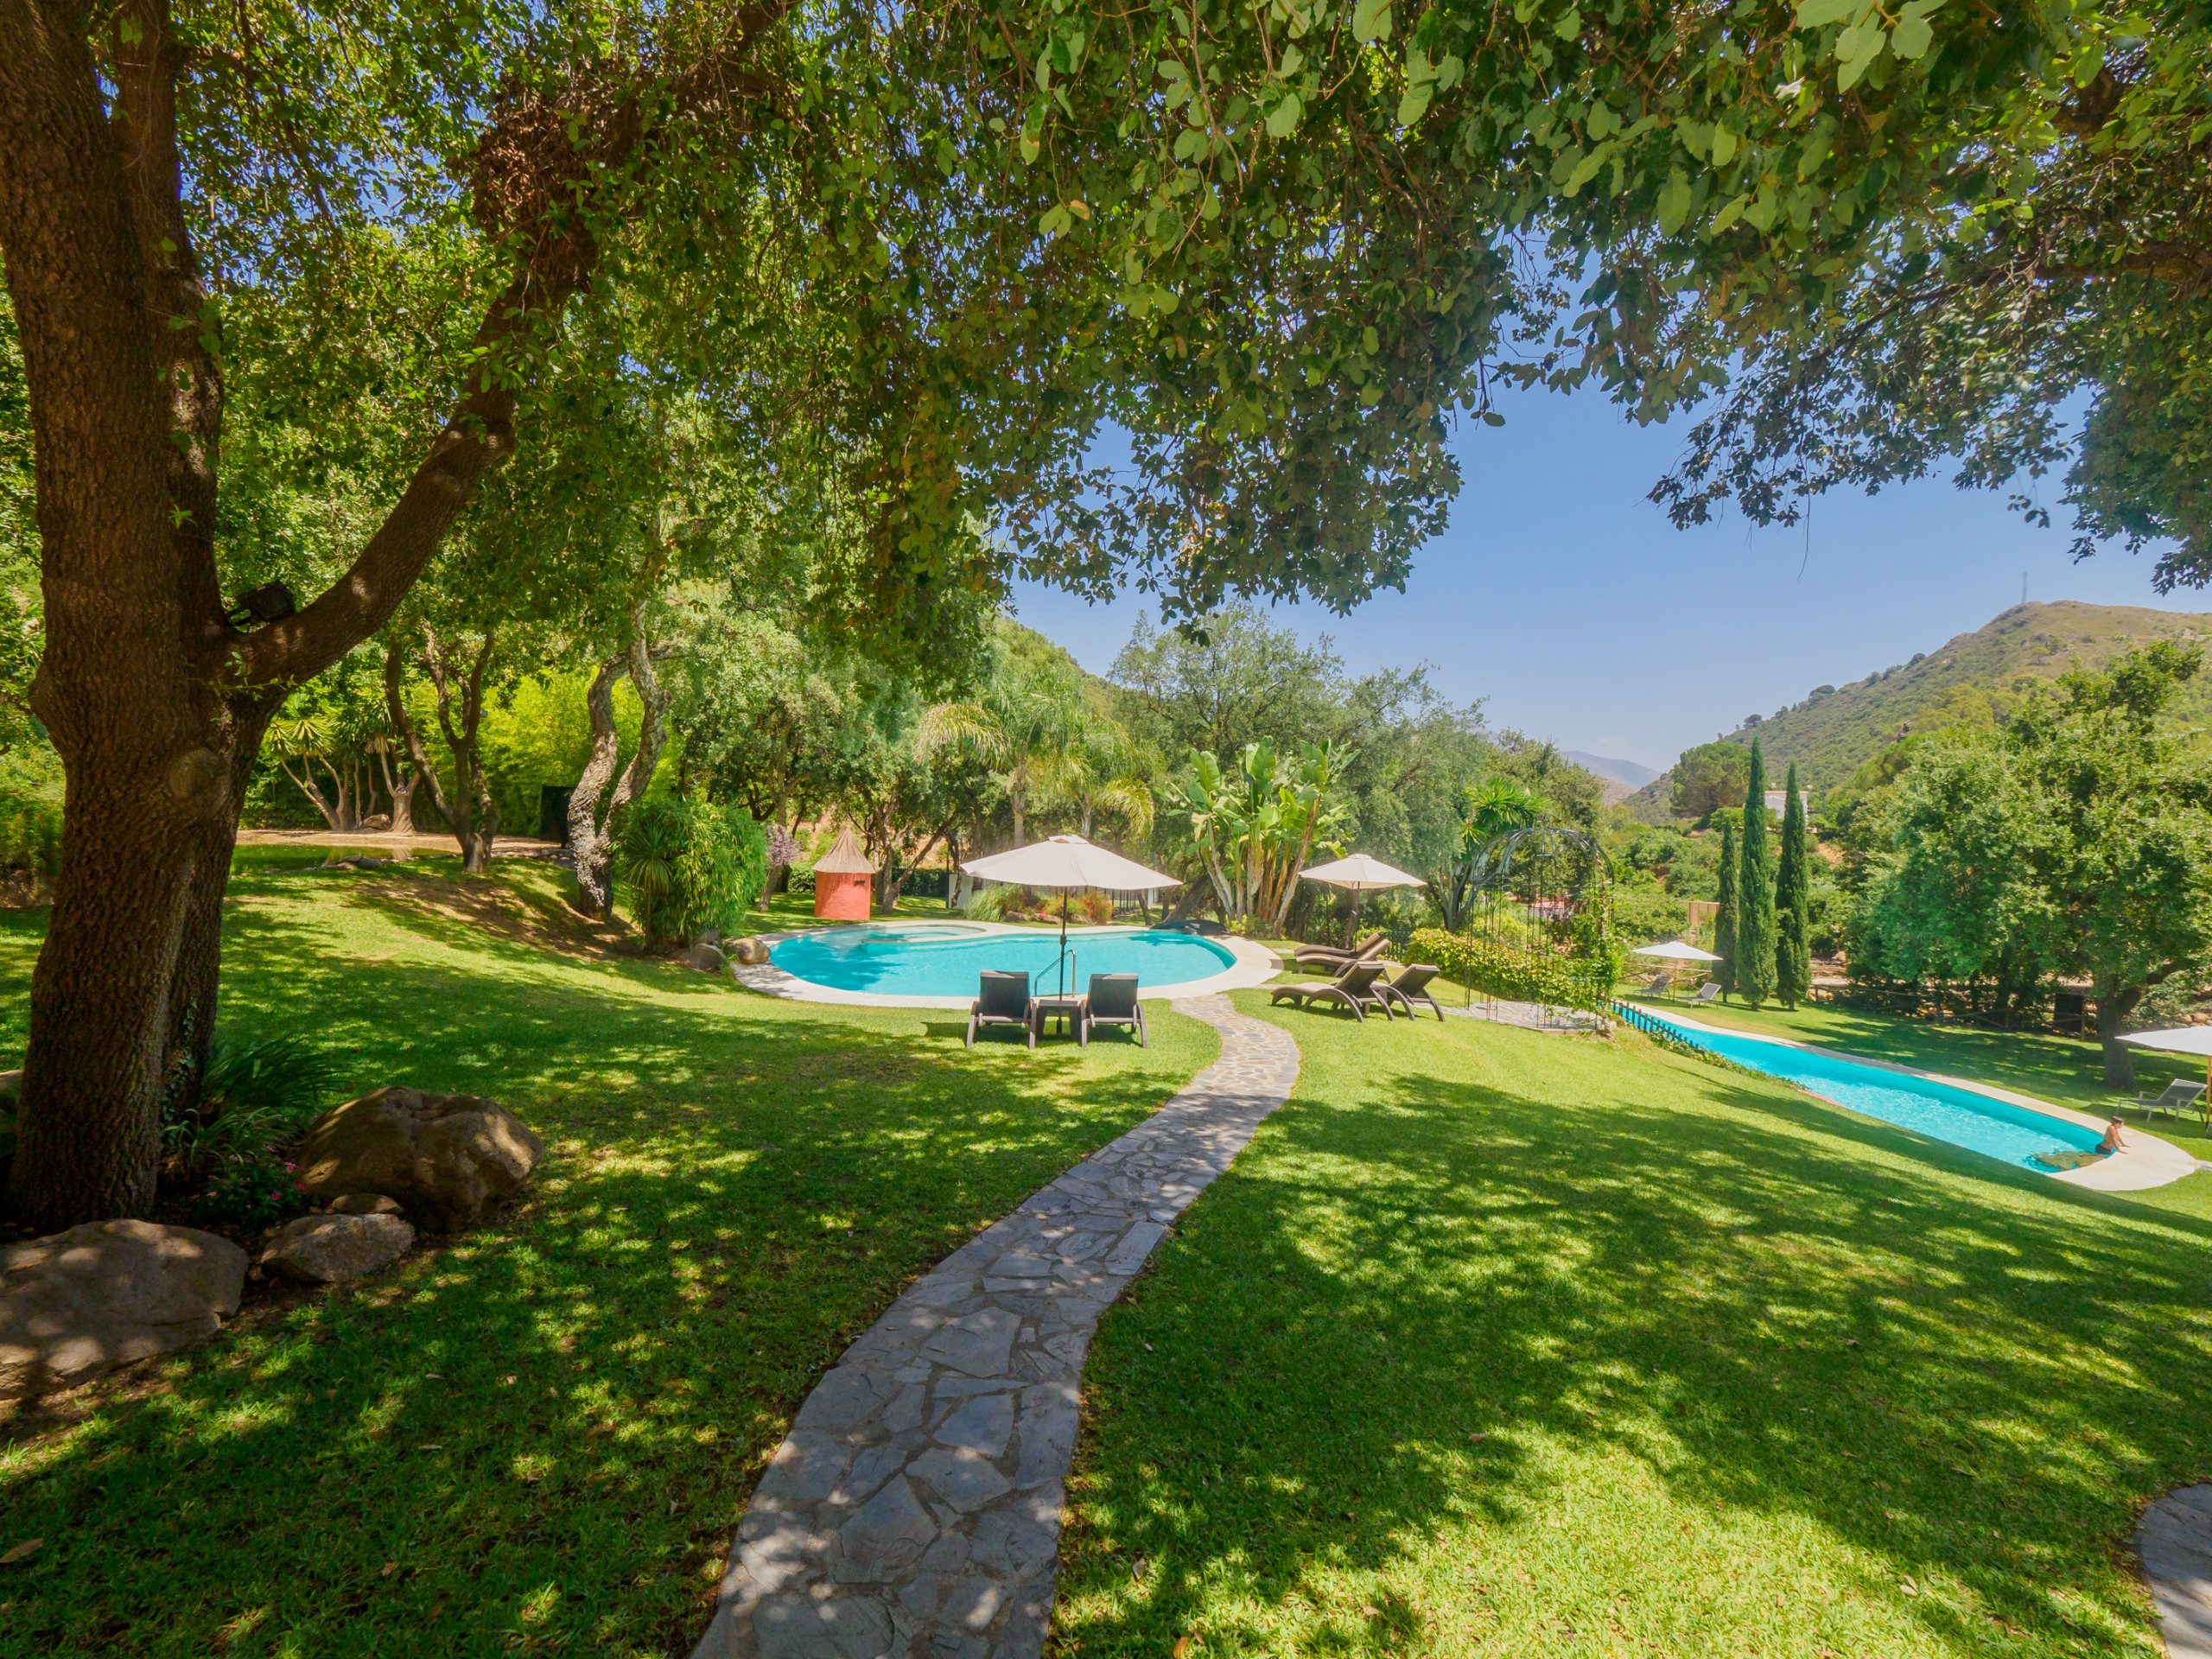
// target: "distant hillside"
[[1632, 774], [1976, 676]]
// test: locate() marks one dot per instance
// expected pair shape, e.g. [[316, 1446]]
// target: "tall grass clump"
[[685, 866]]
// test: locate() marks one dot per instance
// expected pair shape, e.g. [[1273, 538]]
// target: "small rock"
[[75, 1304], [753, 953], [330, 1249], [707, 958], [442, 1157], [364, 1204]]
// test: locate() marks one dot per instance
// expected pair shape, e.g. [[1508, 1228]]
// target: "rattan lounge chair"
[[1002, 1000], [2180, 1095], [1323, 956], [1708, 992], [1411, 985], [1113, 1002], [1354, 987]]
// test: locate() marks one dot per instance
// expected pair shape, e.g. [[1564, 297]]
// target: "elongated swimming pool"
[[1940, 1110], [948, 958]]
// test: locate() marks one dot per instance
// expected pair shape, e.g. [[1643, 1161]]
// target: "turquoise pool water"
[[1936, 1110], [947, 958]]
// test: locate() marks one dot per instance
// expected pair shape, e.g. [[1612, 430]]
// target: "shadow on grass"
[[1428, 1304], [541, 1434]]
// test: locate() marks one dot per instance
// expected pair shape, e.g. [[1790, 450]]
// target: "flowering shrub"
[[252, 1189]]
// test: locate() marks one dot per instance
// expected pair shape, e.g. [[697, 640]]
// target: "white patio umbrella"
[[1674, 951], [2181, 1039], [1064, 864], [1361, 873]]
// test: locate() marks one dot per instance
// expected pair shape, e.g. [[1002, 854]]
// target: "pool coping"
[[1255, 965], [2143, 1161]]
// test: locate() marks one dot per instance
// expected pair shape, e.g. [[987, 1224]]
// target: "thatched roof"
[[845, 858]]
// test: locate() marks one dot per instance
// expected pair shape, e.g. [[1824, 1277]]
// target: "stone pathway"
[[2174, 1542], [913, 1512]]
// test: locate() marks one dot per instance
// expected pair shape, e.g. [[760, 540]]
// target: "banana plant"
[[1254, 824]]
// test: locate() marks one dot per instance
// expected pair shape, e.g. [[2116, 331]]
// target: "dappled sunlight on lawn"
[[1502, 1342], [542, 1434]]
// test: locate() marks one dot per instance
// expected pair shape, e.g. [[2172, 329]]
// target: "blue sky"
[[1564, 598]]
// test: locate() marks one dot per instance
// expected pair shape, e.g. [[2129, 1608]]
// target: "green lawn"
[[539, 1436], [2067, 1070], [1507, 1343]]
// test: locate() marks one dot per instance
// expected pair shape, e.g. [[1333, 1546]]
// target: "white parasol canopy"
[[1064, 862], [1361, 873], [2182, 1039], [1674, 951]]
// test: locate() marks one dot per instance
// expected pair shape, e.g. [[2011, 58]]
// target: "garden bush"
[[1516, 975], [686, 866], [30, 822], [1097, 908]]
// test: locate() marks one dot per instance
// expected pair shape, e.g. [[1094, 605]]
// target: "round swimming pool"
[[1940, 1110], [948, 958]]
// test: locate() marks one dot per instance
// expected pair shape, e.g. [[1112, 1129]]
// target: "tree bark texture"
[[587, 832], [591, 832], [2113, 1005]]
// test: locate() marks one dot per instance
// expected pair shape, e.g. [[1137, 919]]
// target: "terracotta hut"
[[843, 879]]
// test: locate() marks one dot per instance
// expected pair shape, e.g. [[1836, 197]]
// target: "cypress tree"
[[1724, 919], [1755, 928], [1793, 904]]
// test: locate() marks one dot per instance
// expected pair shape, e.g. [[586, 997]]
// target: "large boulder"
[[751, 953], [444, 1157], [330, 1249], [707, 958], [79, 1303]]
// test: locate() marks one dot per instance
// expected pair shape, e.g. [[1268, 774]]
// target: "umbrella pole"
[[1064, 942]]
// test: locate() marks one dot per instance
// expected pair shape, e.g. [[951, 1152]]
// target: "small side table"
[[1075, 1009]]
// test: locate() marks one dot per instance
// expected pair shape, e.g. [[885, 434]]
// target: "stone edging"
[[914, 1508]]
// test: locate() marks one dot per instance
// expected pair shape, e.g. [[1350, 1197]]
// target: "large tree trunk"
[[400, 786], [2113, 1005], [591, 832], [587, 836]]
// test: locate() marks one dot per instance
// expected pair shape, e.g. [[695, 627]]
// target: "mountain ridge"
[[1975, 677]]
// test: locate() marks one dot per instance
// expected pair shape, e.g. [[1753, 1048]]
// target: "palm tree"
[[1022, 722], [1103, 770], [1495, 807]]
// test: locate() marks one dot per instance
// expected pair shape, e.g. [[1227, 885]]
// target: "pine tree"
[[1755, 928], [1793, 903], [1724, 919]]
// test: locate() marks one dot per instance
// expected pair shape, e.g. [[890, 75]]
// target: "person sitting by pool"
[[2112, 1142]]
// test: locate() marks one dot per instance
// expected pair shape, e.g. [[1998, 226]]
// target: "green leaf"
[[1282, 120], [1370, 21], [1415, 103], [1673, 202], [1053, 220], [1724, 146], [1568, 25], [1586, 169], [1814, 14], [1729, 214], [1491, 418], [1912, 36]]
